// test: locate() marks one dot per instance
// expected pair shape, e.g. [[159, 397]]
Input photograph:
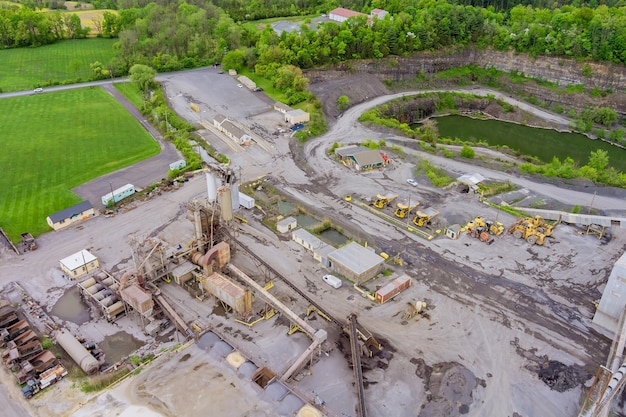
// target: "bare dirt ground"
[[508, 327]]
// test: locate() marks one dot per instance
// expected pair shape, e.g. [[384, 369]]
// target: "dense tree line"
[[175, 35], [23, 26]]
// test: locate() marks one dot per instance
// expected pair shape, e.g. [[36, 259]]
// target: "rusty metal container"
[[394, 288]]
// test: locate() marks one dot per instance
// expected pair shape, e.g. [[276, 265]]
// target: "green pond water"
[[542, 143], [334, 236]]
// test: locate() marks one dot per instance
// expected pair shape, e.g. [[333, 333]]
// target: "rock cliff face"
[[562, 71], [558, 70]]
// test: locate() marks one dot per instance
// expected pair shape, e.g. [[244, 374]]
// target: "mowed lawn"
[[52, 142], [27, 68]]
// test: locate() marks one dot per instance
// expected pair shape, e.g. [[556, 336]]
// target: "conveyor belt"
[[356, 365], [285, 280]]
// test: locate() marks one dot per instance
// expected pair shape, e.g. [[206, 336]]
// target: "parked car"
[[220, 72], [412, 182], [258, 89], [297, 126], [332, 280], [240, 85], [38, 90]]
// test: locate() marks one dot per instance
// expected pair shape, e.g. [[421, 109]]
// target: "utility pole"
[[112, 195]]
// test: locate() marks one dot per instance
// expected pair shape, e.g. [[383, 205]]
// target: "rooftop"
[[78, 259], [70, 211], [356, 257]]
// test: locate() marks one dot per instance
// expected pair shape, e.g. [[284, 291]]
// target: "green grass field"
[[53, 142], [27, 68], [131, 92]]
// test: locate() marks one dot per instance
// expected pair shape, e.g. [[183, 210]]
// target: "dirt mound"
[[450, 386], [357, 87]]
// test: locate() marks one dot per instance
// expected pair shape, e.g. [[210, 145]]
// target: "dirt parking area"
[[506, 329]]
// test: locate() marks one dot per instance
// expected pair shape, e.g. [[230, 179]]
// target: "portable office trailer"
[[118, 194]]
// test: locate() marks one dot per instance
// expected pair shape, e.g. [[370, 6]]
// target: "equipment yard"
[[424, 324]]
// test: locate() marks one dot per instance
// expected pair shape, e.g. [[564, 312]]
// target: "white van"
[[332, 280]]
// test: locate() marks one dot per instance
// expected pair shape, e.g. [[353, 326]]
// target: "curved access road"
[[347, 129]]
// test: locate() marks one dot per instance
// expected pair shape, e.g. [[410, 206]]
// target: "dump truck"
[[47, 378], [402, 209], [35, 366], [424, 217], [383, 201], [29, 241], [14, 331]]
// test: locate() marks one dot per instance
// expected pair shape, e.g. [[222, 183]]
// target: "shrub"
[[467, 152]]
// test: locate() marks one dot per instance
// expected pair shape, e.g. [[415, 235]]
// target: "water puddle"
[[119, 345], [285, 207], [334, 236], [305, 221], [70, 307]]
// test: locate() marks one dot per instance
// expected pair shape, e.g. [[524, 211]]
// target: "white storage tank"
[[77, 352], [211, 187]]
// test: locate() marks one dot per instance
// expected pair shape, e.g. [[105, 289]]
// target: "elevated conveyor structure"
[[173, 315], [356, 365]]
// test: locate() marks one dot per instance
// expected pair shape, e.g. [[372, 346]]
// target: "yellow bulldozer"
[[402, 210], [383, 201], [492, 227]]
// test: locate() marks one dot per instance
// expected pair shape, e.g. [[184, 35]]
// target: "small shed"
[[471, 180], [287, 224], [297, 116], [246, 201], [79, 264], [70, 215], [356, 262], [453, 231], [282, 107], [392, 289]]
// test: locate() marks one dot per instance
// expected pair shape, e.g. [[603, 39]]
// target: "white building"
[[78, 264], [341, 15]]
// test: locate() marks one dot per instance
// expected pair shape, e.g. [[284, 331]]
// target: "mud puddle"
[[118, 346], [71, 307]]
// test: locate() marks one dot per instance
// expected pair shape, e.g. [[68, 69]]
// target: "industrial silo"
[[211, 187], [225, 201], [77, 351], [234, 196]]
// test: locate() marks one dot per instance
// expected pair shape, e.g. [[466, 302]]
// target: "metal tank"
[[226, 207], [77, 351], [234, 196], [211, 187]]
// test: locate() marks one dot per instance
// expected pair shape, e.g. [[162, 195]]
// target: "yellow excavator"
[[383, 201], [402, 210], [423, 217]]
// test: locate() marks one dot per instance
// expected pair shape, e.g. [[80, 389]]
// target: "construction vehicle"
[[29, 241], [480, 234], [402, 210], [47, 378], [494, 228], [424, 217], [383, 201], [14, 331], [533, 230]]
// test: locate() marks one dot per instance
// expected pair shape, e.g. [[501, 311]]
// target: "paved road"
[[140, 174], [347, 128]]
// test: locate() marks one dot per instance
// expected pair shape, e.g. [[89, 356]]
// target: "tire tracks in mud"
[[512, 304]]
